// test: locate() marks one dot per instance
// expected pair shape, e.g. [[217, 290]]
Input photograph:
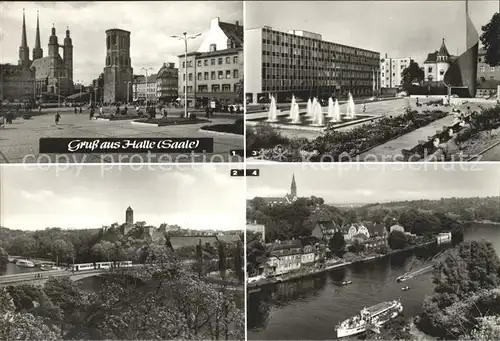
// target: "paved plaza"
[[19, 141]]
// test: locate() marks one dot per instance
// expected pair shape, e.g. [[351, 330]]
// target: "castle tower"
[[443, 61], [293, 187], [53, 44], [37, 51], [24, 51], [118, 73], [68, 56], [129, 216]]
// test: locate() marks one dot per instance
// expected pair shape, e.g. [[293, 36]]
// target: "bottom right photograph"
[[373, 252]]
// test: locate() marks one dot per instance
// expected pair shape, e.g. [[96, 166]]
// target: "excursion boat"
[[24, 263], [402, 278], [371, 318]]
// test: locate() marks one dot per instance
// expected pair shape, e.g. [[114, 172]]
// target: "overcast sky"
[[398, 28], [194, 197], [363, 184], [150, 23]]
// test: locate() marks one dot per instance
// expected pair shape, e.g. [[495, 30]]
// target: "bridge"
[[40, 277]]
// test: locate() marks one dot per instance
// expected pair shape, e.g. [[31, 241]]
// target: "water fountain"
[[309, 108], [331, 112], [318, 117], [351, 109], [294, 112], [273, 111], [336, 111]]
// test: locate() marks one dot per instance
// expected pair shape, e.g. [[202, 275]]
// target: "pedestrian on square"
[[364, 107], [76, 112], [101, 111], [164, 112], [57, 117], [80, 109], [207, 112], [91, 115]]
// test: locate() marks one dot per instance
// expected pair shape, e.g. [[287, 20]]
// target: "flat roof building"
[[301, 63]]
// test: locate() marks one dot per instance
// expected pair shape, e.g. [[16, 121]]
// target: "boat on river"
[[24, 263], [371, 318]]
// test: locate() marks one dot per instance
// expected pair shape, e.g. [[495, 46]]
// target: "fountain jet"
[[351, 107], [294, 111], [331, 109], [296, 119], [336, 111], [309, 111], [273, 111], [317, 114]]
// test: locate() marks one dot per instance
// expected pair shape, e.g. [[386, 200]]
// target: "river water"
[[308, 309]]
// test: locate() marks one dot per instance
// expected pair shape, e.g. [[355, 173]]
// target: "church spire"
[[37, 51], [24, 40], [293, 187], [24, 53]]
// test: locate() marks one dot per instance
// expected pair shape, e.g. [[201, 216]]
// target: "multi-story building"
[[284, 257], [146, 89], [215, 71], [391, 71], [303, 64], [488, 76], [167, 80]]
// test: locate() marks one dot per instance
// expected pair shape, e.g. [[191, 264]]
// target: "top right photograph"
[[372, 81]]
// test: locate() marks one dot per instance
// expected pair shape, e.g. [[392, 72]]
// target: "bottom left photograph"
[[121, 253]]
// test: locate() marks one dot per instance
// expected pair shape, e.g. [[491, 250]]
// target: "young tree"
[[199, 259], [4, 260], [398, 240], [490, 38], [337, 244], [221, 250], [238, 262], [412, 73]]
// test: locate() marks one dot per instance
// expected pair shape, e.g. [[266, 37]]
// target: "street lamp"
[[185, 37], [146, 70]]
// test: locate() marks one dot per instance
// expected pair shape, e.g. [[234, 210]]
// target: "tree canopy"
[[490, 38]]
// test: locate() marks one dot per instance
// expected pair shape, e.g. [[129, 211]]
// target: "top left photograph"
[[121, 82]]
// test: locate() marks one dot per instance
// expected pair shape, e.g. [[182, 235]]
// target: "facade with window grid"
[[215, 75], [301, 63]]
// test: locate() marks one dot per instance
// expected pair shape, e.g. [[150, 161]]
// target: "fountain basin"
[[306, 122]]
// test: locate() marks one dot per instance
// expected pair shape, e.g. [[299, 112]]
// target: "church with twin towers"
[[52, 73]]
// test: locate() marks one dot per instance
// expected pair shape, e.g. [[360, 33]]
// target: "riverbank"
[[306, 272]]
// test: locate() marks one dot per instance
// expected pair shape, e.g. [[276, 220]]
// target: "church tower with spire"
[[24, 51], [293, 187], [53, 43], [68, 56], [37, 50]]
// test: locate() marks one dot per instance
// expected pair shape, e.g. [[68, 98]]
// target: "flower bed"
[[118, 117], [458, 142], [171, 121], [235, 128], [335, 145]]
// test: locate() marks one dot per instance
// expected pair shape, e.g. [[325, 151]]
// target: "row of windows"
[[308, 83], [315, 55], [213, 88], [312, 66], [354, 90], [482, 68], [284, 73], [287, 39], [213, 75], [220, 61]]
